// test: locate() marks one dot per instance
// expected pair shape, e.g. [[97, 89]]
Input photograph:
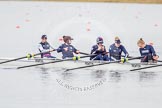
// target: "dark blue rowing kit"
[[100, 54], [45, 47], [115, 52], [69, 52], [147, 52]]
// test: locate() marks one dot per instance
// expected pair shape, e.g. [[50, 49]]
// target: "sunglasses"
[[117, 43], [44, 38]]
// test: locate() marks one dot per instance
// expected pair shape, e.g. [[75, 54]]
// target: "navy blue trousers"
[[101, 57]]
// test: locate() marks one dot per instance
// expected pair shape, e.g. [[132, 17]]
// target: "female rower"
[[44, 46], [116, 50], [147, 51], [100, 51], [67, 49]]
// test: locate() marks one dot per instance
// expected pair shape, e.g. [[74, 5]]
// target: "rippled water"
[[41, 88], [54, 88]]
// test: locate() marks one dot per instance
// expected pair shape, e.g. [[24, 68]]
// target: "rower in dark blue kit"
[[67, 49], [44, 46], [116, 50], [147, 51], [100, 50]]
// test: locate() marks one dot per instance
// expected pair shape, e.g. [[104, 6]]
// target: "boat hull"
[[79, 63]]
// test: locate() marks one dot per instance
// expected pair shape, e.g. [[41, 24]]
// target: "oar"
[[57, 61], [146, 67], [89, 54], [28, 56], [132, 57], [101, 64], [84, 53], [159, 60]]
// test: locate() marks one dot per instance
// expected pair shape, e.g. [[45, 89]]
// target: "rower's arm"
[[140, 50], [41, 48], [105, 51], [94, 49], [110, 51], [153, 51], [51, 47], [75, 50], [110, 55], [124, 50], [59, 49]]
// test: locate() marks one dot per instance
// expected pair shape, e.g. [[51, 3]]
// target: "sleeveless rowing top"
[[45, 46]]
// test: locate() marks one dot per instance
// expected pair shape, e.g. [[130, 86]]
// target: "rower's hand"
[[123, 60], [52, 50], [127, 55], [66, 49], [101, 47], [155, 57], [77, 52]]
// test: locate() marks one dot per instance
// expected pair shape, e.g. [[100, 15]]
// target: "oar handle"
[[159, 60], [44, 52], [90, 54], [84, 53]]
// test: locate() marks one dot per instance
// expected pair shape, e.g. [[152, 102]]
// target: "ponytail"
[[141, 41]]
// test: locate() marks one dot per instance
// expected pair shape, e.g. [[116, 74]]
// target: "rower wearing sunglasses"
[[100, 51], [116, 50]]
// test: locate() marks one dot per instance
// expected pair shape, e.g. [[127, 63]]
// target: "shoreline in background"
[[113, 1]]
